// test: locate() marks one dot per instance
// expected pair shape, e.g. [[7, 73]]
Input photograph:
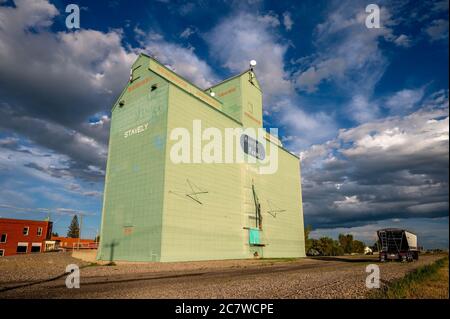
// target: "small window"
[[3, 238], [22, 248], [36, 247], [2, 252], [39, 231], [26, 230], [154, 87]]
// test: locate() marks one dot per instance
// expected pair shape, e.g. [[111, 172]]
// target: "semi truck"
[[397, 244]]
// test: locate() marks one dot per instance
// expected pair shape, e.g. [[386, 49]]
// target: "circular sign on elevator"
[[252, 147]]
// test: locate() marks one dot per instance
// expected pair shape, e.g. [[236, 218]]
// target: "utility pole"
[[79, 230]]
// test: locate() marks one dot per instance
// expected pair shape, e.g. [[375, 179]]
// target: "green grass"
[[426, 282]]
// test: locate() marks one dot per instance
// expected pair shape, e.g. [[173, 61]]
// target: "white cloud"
[[403, 40], [182, 60], [438, 30], [348, 201], [411, 135], [361, 110], [321, 71], [269, 19], [187, 33], [351, 57], [389, 138], [60, 66], [253, 37], [304, 127], [103, 120], [403, 101], [186, 8], [440, 6], [287, 21], [27, 13]]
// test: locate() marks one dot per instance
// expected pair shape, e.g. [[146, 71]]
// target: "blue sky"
[[365, 109]]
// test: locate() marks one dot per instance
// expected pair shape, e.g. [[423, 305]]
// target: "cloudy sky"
[[366, 109]]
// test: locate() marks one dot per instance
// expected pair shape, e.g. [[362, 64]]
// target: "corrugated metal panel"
[[132, 210]]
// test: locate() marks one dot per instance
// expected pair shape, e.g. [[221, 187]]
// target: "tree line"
[[326, 246]]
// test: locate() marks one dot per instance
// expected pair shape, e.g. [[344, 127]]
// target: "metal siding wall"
[[229, 93], [132, 213], [193, 231], [284, 233], [214, 229], [251, 95]]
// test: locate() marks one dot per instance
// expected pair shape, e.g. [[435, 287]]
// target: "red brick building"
[[73, 243], [19, 236]]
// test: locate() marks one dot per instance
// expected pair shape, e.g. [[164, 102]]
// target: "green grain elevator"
[[155, 209]]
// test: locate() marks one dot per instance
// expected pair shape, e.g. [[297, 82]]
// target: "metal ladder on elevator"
[[384, 241]]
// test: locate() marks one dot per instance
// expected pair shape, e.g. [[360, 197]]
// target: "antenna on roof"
[[252, 75]]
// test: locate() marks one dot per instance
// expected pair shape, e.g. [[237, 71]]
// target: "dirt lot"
[[42, 276]]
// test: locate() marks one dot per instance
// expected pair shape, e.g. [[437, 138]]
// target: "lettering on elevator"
[[136, 130]]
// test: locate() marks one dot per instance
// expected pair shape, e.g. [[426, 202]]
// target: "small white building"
[[51, 245]]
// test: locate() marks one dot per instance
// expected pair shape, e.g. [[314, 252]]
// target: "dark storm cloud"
[[72, 169], [63, 77], [391, 168], [13, 144], [50, 84], [83, 150]]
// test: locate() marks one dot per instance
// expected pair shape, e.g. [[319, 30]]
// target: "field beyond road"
[[43, 276]]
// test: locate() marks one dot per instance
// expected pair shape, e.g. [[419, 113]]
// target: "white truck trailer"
[[397, 244]]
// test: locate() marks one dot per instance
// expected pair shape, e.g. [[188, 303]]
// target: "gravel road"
[[24, 269], [298, 278]]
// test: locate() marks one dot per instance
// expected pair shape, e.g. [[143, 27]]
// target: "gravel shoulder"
[[24, 269], [296, 278]]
